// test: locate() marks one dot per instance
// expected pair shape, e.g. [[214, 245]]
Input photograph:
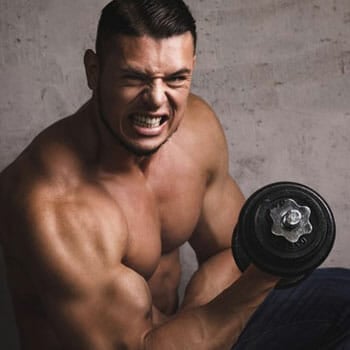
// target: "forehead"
[[152, 54]]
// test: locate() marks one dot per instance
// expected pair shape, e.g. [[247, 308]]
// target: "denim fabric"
[[313, 315]]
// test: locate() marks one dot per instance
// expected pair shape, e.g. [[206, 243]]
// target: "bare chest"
[[161, 214]]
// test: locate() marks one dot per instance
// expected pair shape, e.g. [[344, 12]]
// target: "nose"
[[155, 94]]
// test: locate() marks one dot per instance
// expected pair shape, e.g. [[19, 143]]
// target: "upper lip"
[[151, 115]]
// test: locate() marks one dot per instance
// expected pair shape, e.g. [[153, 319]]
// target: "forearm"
[[218, 324], [212, 277]]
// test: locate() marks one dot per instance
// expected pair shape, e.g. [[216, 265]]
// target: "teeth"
[[146, 121]]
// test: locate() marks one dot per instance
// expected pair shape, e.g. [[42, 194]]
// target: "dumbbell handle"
[[290, 220]]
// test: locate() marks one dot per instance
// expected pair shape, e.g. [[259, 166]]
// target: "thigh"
[[315, 314]]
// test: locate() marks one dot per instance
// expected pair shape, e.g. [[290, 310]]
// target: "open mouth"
[[148, 121]]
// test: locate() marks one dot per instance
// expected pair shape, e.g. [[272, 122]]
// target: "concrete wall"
[[277, 72]]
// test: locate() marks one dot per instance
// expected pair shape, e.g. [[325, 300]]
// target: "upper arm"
[[75, 259], [222, 200]]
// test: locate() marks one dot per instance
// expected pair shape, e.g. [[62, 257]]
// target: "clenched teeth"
[[146, 121]]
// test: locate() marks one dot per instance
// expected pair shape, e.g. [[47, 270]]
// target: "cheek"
[[112, 92], [119, 97], [181, 100]]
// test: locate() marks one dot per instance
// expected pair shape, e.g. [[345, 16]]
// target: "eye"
[[133, 79], [176, 80]]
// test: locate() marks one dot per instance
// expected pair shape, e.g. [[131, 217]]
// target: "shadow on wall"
[[8, 331]]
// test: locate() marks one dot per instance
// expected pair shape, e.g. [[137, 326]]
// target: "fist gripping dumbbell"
[[286, 229]]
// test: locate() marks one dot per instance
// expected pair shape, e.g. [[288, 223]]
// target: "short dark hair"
[[157, 18]]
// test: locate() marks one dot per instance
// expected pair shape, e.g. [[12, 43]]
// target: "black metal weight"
[[286, 229]]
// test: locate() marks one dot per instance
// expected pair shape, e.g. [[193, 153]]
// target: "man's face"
[[143, 88]]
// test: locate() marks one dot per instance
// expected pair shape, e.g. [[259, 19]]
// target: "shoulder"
[[204, 123], [51, 158], [59, 231], [197, 107], [42, 168], [203, 134], [47, 200]]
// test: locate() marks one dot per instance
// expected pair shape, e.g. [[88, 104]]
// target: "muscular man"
[[94, 211]]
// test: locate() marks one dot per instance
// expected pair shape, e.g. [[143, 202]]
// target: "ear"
[[92, 69]]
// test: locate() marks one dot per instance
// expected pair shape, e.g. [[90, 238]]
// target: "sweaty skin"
[[91, 229]]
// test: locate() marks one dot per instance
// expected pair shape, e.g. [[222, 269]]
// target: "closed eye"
[[134, 80], [176, 80], [130, 77]]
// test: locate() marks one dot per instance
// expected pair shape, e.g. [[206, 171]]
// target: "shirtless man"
[[94, 211]]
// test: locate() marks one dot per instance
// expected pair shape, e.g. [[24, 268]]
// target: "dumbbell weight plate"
[[254, 241]]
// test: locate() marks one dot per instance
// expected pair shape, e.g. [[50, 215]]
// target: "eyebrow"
[[181, 72], [142, 74]]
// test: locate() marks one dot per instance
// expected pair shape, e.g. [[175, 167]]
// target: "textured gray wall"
[[277, 72]]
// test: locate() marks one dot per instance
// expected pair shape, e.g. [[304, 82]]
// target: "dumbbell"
[[286, 229]]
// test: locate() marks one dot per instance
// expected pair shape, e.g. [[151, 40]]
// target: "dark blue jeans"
[[314, 314]]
